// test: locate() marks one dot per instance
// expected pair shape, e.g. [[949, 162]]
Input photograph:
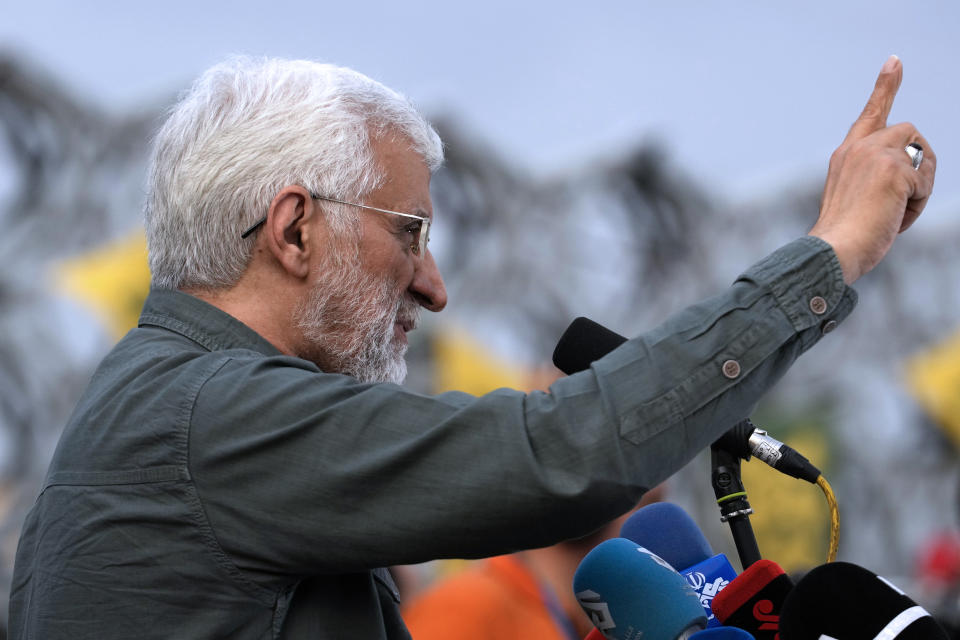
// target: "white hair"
[[246, 129]]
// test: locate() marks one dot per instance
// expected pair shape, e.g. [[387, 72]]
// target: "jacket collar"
[[201, 322]]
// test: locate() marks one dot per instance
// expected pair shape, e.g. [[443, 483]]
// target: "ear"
[[288, 231]]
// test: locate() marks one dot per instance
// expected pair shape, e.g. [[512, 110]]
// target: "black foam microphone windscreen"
[[583, 342], [847, 602]]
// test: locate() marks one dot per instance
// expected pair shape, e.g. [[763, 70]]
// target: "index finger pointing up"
[[875, 113]]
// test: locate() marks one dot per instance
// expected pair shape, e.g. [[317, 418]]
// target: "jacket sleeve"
[[302, 472]]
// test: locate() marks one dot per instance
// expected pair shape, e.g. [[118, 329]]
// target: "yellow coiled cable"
[[834, 518]]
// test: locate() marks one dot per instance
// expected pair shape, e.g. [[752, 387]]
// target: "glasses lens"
[[423, 237]]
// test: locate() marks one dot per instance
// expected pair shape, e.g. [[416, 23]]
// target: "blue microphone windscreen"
[[668, 531], [629, 593], [722, 633]]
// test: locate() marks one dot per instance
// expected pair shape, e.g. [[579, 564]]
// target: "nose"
[[427, 286]]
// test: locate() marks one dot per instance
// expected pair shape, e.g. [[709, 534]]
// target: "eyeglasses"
[[420, 232]]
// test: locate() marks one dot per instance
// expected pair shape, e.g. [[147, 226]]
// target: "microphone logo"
[[763, 613], [660, 561], [706, 589], [696, 580], [597, 609]]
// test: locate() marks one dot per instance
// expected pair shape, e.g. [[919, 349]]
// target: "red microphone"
[[752, 600]]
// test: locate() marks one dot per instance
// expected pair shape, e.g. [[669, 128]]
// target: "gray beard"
[[347, 322]]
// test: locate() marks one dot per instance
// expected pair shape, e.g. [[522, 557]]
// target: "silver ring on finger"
[[915, 151]]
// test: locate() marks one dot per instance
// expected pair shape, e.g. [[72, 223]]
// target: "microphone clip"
[[746, 439], [731, 496]]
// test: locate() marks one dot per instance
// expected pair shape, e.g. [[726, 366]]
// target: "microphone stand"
[[732, 498]]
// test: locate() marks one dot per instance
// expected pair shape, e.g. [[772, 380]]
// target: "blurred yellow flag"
[[464, 364], [933, 378], [112, 281]]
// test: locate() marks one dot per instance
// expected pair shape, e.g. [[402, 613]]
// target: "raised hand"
[[872, 191]]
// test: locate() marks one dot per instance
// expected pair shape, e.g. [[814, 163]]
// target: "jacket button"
[[828, 326], [731, 369], [818, 305]]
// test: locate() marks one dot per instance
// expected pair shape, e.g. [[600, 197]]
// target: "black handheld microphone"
[[754, 600], [586, 341], [846, 601]]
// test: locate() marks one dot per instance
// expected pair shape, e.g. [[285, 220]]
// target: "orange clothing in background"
[[496, 599]]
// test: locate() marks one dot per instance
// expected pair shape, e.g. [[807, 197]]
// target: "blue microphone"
[[668, 531], [722, 633], [629, 593]]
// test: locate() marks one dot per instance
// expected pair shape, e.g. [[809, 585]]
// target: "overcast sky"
[[749, 95]]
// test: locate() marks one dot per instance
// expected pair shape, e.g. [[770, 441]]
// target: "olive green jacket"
[[208, 486]]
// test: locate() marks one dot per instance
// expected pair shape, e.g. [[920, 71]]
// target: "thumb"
[[875, 113]]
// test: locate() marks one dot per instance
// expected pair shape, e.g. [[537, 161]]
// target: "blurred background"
[[617, 160]]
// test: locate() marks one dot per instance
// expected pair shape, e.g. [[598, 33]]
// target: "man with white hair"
[[244, 463]]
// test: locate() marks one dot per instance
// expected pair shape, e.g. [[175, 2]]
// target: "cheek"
[[395, 268], [403, 273]]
